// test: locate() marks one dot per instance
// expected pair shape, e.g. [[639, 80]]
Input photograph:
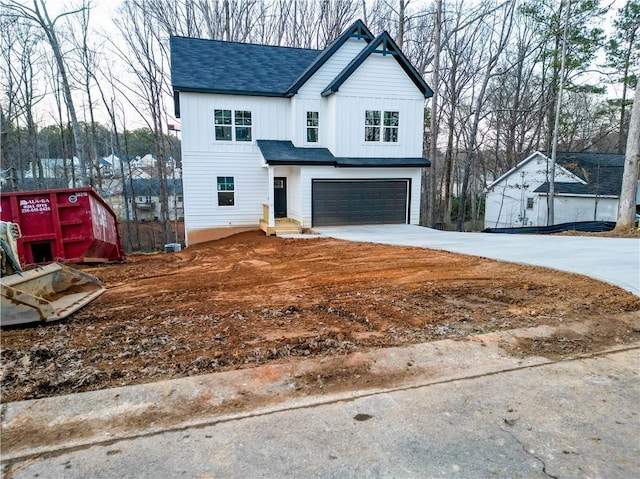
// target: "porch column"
[[272, 216]]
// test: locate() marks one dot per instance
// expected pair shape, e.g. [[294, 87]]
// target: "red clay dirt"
[[251, 299]]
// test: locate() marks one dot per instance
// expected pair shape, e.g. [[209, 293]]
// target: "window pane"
[[223, 133], [226, 198], [312, 118], [312, 135], [225, 183], [372, 117], [391, 135], [372, 133], [243, 118], [243, 133], [391, 118], [222, 117]]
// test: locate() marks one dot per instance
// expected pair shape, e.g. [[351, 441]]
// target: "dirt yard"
[[251, 299]]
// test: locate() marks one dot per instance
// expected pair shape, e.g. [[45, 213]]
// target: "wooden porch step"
[[283, 226]]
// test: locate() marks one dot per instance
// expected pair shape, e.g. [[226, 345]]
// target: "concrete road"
[[571, 419], [612, 260]]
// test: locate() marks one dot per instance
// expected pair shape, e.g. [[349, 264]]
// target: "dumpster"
[[65, 225]]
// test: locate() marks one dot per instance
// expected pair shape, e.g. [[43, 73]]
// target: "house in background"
[[145, 198], [587, 188], [287, 137]]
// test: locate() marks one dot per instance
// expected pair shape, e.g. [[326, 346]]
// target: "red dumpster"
[[68, 226]]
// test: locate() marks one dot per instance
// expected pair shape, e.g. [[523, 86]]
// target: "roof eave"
[[277, 94]]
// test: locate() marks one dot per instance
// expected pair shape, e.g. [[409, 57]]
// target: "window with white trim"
[[372, 125], [226, 191], [387, 121], [313, 124], [390, 126], [529, 203], [230, 127]]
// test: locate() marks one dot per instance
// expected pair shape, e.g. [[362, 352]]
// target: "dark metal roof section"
[[382, 44], [601, 171], [212, 66], [277, 152], [357, 30]]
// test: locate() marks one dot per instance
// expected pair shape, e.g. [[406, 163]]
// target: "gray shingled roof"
[[212, 66], [601, 171], [278, 152]]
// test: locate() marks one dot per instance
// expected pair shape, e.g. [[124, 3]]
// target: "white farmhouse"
[[587, 188], [297, 137]]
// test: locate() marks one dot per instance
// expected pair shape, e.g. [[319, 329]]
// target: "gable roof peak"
[[357, 30], [382, 44]]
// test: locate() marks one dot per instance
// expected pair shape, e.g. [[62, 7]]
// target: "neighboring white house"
[[318, 137], [587, 188]]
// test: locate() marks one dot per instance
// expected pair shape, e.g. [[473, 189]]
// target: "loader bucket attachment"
[[46, 293]]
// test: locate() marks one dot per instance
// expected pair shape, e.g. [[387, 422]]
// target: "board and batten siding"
[[309, 96], [269, 117], [294, 190], [204, 159], [332, 67], [310, 173], [380, 84]]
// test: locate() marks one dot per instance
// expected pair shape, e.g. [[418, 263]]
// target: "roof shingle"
[[602, 172], [212, 66]]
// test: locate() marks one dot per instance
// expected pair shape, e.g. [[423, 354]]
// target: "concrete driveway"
[[612, 260]]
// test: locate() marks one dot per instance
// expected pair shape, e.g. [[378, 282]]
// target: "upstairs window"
[[372, 125], [391, 126], [232, 127], [223, 125], [529, 203], [375, 120], [226, 191], [313, 124], [243, 125]]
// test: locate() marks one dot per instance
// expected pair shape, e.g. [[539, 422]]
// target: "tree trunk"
[[49, 29], [627, 203], [433, 150]]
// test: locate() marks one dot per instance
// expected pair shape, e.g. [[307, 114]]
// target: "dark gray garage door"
[[359, 202]]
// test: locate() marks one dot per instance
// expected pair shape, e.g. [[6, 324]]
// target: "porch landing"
[[283, 226]]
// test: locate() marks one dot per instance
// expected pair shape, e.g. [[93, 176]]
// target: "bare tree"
[[495, 48], [40, 16], [148, 59], [627, 204], [432, 215]]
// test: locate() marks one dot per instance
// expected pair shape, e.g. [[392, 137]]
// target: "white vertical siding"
[[269, 116], [298, 130], [204, 159], [333, 66], [308, 97], [380, 84]]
